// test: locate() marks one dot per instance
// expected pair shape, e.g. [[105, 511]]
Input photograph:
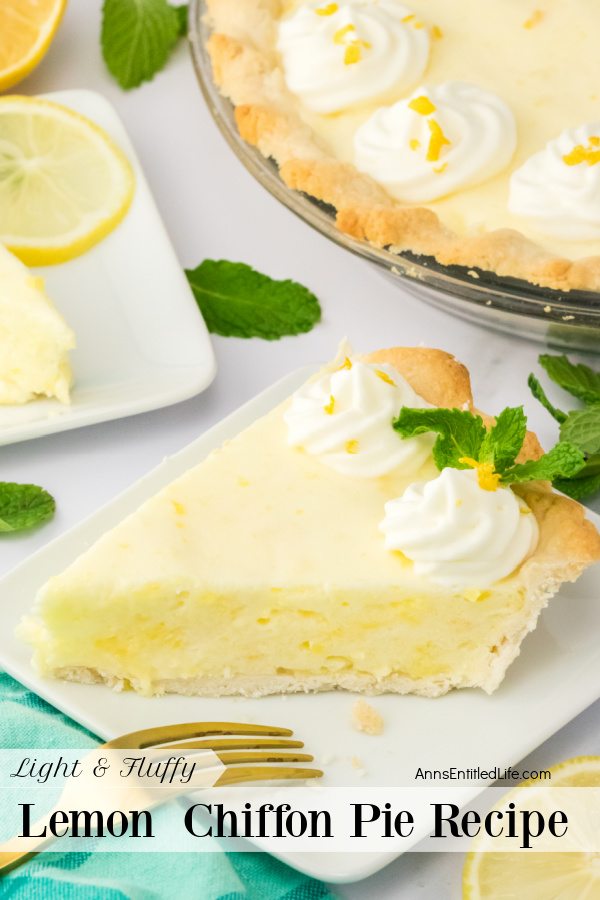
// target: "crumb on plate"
[[366, 718]]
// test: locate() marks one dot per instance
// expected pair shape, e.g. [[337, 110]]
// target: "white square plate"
[[554, 679], [141, 341]]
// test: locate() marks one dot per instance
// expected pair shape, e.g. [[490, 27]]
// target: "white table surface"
[[213, 208]]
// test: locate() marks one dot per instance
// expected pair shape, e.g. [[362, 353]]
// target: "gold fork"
[[260, 744]]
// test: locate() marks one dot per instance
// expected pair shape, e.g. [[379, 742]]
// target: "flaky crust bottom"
[[247, 71]]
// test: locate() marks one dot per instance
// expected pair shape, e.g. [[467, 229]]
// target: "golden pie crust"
[[249, 74]]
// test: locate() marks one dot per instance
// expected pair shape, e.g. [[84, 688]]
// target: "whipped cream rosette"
[[457, 533], [338, 55], [440, 139], [345, 418], [558, 189]]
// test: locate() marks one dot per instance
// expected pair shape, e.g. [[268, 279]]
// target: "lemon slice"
[[64, 185], [26, 30], [537, 876]]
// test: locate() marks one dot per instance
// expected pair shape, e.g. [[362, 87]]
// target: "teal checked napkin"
[[28, 721]]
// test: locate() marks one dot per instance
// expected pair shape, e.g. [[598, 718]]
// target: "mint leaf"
[[585, 483], [137, 38], [539, 393], [23, 505], [182, 17], [460, 433], [582, 428], [563, 461], [503, 441], [237, 301], [579, 380]]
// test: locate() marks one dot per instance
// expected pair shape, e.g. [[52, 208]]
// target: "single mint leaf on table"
[[460, 433], [563, 461], [582, 428], [137, 38], [182, 17], [576, 378], [539, 393], [238, 301], [23, 506], [503, 441]]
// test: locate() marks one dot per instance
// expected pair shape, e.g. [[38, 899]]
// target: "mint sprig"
[[539, 393], [23, 506], [563, 461], [582, 428], [577, 379], [579, 427], [238, 301], [460, 434], [581, 485], [138, 37], [463, 441], [501, 443]]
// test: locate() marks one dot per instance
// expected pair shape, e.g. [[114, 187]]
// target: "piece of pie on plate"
[[35, 341], [465, 131], [321, 549]]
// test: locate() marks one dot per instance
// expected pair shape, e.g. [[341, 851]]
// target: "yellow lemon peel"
[[354, 48], [581, 154], [487, 478], [534, 19], [328, 10], [437, 141], [385, 377], [422, 105], [352, 54], [340, 35]]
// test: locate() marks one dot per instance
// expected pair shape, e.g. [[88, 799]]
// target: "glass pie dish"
[[569, 320]]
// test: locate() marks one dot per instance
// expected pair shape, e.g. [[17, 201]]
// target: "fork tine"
[[164, 734], [265, 773], [230, 757], [235, 744]]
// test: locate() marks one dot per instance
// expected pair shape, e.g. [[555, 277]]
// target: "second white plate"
[[554, 679], [141, 341]]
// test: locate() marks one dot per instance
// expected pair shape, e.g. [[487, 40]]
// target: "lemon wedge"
[[64, 185], [537, 876], [26, 30]]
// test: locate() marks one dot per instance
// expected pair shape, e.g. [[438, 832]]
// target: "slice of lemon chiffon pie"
[[371, 534]]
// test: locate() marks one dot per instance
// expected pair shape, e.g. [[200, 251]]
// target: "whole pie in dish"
[[465, 131], [319, 549]]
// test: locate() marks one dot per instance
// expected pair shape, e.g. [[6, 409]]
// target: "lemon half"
[[64, 185], [538, 876], [26, 29]]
